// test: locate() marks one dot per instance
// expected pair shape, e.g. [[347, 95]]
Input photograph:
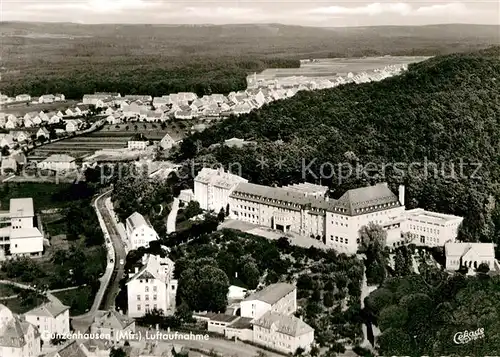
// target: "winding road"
[[110, 281]]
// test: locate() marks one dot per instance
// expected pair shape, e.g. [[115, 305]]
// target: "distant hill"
[[159, 59], [435, 129]]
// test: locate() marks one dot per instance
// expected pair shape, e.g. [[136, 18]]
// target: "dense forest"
[[435, 129], [73, 59]]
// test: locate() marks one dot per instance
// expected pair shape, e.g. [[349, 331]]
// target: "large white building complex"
[[19, 235], [139, 231], [305, 209], [152, 287]]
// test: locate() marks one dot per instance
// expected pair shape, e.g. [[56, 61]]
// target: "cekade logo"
[[464, 337]]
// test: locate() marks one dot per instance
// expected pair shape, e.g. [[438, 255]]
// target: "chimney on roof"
[[401, 192]]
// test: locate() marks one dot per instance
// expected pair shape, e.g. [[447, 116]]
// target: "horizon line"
[[237, 24]]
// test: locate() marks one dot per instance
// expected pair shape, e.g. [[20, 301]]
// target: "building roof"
[[218, 178], [486, 250], [136, 220], [285, 324], [21, 207], [138, 137], [272, 294], [242, 323], [360, 199], [154, 268], [49, 309], [59, 158], [419, 214], [13, 333], [354, 202], [72, 349], [112, 319], [223, 318]]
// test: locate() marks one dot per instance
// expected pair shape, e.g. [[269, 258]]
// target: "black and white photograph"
[[249, 178]]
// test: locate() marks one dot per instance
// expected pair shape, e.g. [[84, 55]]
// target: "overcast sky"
[[315, 13]]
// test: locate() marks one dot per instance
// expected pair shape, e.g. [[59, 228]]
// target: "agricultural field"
[[21, 110], [333, 67]]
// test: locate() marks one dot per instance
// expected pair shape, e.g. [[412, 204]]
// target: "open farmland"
[[108, 138], [22, 109], [333, 67]]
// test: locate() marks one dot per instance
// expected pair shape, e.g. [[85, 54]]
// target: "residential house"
[[108, 111], [114, 118], [58, 97], [285, 333], [243, 108], [58, 162], [46, 98], [152, 287], [43, 131], [89, 348], [3, 120], [60, 114], [279, 298], [17, 338], [28, 123], [6, 140], [161, 102], [72, 125], [186, 196], [139, 231], [82, 109], [11, 123], [212, 110], [142, 98], [20, 136], [43, 116], [19, 236], [7, 165], [50, 318], [167, 142], [138, 142], [112, 323], [54, 119], [70, 112], [469, 255]]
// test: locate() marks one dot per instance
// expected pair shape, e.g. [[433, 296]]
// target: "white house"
[[17, 338], [46, 98], [58, 162], [43, 132], [112, 323], [279, 298], [469, 255], [6, 140], [285, 333], [138, 142], [212, 188], [152, 287], [139, 231], [72, 125], [20, 136], [19, 236], [23, 98], [167, 142], [50, 318]]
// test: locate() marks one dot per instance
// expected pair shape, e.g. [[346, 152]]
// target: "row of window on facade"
[[425, 229], [147, 297], [341, 239], [139, 307]]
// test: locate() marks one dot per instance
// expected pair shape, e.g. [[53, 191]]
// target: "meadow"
[[332, 67]]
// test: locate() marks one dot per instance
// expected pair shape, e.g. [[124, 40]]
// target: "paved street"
[[110, 279], [114, 235], [172, 216]]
